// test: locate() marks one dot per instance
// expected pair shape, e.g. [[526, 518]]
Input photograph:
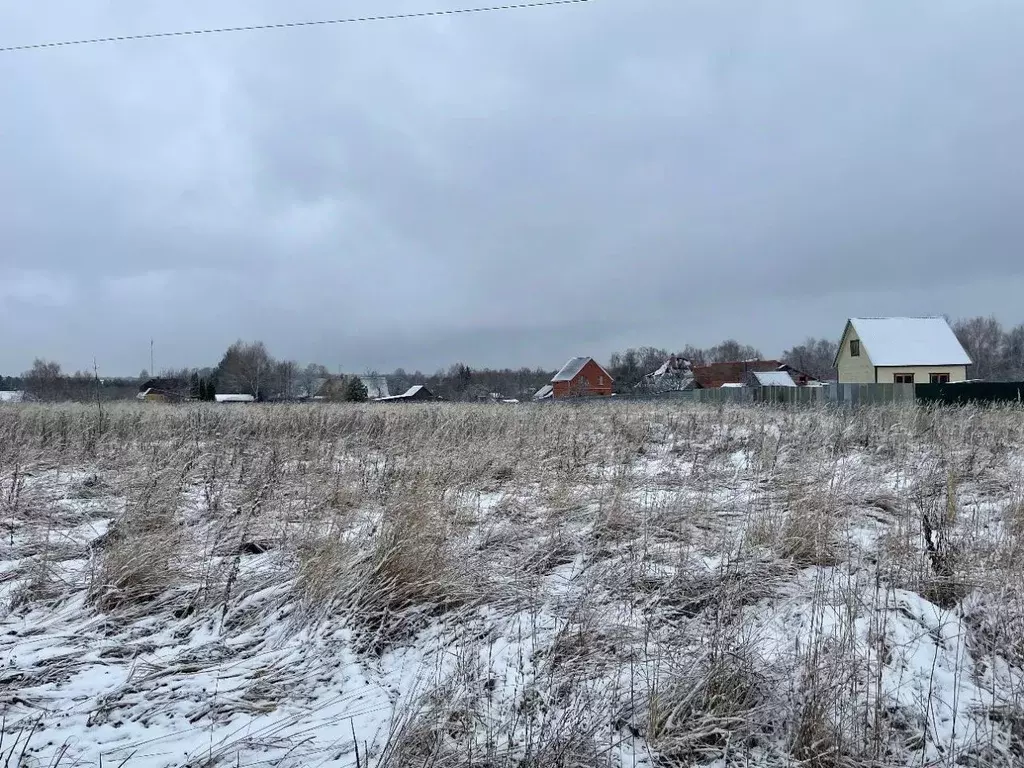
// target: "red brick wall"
[[587, 382]]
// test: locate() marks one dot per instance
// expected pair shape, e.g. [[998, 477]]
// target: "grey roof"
[[543, 392], [774, 379], [573, 367]]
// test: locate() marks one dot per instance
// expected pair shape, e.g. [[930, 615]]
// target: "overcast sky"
[[502, 189]]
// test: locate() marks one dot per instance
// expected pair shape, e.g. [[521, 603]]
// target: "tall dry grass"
[[607, 576]]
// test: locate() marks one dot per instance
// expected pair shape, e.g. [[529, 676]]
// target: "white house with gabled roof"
[[900, 350]]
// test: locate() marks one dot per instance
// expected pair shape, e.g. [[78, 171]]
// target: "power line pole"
[[152, 371]]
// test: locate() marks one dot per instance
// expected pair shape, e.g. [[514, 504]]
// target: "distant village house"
[[234, 398], [415, 394], [580, 377]]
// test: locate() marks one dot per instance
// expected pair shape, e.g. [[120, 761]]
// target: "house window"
[[903, 378], [854, 347], [600, 381], [938, 378]]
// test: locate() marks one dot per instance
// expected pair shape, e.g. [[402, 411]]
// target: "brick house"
[[581, 377]]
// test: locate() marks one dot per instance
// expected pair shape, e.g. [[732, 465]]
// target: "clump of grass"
[[323, 565], [92, 487], [409, 573], [140, 556], [393, 574], [699, 709], [805, 534]]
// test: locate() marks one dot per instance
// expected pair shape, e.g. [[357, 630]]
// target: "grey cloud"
[[505, 189]]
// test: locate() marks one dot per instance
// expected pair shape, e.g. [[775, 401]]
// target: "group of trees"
[[45, 381], [814, 356], [460, 383], [248, 368], [997, 352]]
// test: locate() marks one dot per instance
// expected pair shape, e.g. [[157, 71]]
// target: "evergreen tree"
[[196, 387], [356, 392], [211, 389]]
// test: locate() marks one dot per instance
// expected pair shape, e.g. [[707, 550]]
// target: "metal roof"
[[774, 378], [904, 341], [571, 369]]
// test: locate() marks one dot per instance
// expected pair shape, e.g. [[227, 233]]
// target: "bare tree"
[[982, 338], [247, 368], [731, 350], [695, 355], [1013, 353], [311, 378], [286, 374], [814, 356], [44, 380]]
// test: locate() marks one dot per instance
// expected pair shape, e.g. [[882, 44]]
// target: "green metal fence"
[[961, 393]]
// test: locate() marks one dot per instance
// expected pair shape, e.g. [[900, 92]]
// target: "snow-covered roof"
[[662, 370], [544, 392], [896, 341], [11, 396], [732, 385], [571, 369], [405, 395], [774, 378], [234, 398]]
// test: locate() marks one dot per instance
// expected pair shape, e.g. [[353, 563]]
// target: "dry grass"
[[617, 584]]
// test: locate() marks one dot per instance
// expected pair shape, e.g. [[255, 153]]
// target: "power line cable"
[[291, 25]]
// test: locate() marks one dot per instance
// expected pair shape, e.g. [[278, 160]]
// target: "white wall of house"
[[854, 370], [922, 373]]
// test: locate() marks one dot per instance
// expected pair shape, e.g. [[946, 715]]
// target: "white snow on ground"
[[702, 587]]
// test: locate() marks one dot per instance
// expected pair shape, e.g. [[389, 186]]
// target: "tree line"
[[249, 368]]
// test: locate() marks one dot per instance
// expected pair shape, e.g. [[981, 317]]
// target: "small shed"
[[544, 393], [153, 395], [414, 394], [770, 379], [234, 398]]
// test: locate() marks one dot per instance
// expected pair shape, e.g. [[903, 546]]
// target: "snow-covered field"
[[613, 585]]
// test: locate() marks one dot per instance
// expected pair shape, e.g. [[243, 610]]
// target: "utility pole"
[[152, 370], [96, 377]]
